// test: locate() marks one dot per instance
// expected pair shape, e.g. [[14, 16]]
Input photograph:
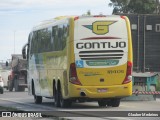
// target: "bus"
[[79, 59]]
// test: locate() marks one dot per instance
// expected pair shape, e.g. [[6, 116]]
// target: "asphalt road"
[[22, 101]]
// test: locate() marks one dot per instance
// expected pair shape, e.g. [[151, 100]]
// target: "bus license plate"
[[101, 90]]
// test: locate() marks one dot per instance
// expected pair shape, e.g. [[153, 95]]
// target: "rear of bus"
[[102, 58]]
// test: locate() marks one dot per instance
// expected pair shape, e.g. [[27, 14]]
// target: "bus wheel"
[[102, 103], [109, 103], [64, 103], [115, 102], [37, 99], [56, 98]]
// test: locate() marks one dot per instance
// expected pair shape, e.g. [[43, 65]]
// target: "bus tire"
[[56, 98], [116, 102], [102, 103], [109, 103], [37, 99], [64, 103]]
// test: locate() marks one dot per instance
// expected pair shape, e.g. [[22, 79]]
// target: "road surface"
[[22, 101]]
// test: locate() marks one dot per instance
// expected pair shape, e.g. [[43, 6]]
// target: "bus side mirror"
[[24, 53], [6, 63]]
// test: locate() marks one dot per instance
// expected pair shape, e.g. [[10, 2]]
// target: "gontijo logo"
[[100, 27]]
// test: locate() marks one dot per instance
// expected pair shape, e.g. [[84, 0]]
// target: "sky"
[[17, 17]]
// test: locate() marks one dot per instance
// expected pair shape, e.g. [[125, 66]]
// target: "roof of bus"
[[51, 21], [60, 18]]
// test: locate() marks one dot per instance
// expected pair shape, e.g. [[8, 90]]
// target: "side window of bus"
[[34, 45], [48, 39], [65, 35], [35, 39], [60, 36], [39, 41], [54, 40], [44, 38]]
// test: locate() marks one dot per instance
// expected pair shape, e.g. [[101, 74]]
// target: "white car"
[[1, 85]]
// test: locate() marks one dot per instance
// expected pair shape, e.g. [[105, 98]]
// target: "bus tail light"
[[73, 75], [123, 17], [128, 77]]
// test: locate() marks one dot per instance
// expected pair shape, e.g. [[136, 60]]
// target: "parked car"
[[1, 85]]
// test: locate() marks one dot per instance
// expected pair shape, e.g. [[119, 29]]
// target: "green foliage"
[[134, 6], [88, 12], [158, 85]]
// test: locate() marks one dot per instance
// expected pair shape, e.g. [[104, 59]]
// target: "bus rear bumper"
[[96, 92]]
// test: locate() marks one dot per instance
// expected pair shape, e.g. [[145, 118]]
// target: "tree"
[[88, 13], [120, 6], [134, 6]]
